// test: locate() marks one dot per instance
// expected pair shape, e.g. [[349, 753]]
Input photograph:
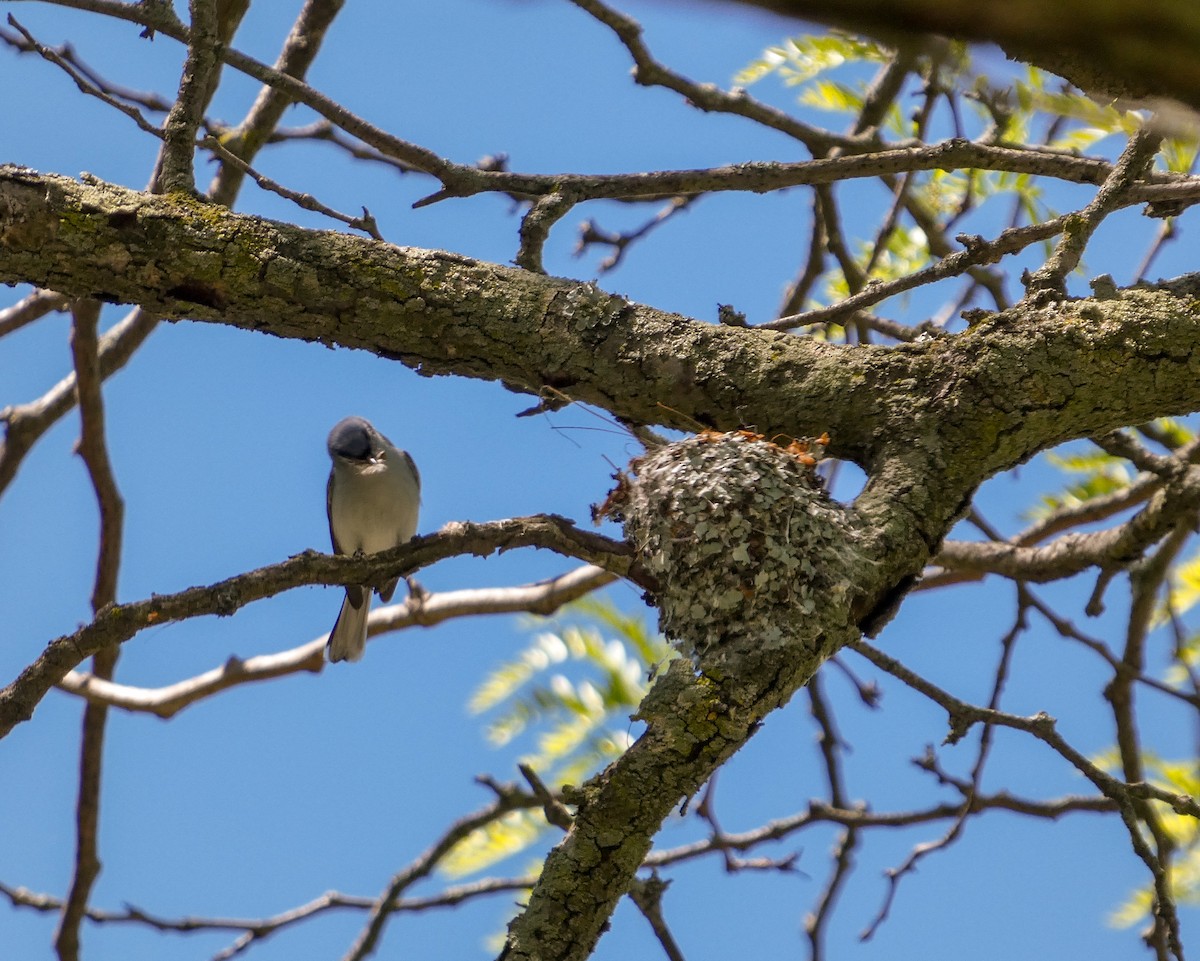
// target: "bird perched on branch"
[[372, 498]]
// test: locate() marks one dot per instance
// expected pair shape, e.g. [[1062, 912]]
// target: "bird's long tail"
[[348, 639]]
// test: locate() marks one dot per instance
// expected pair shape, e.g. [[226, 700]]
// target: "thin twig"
[[843, 856], [257, 929], [647, 894], [426, 863], [970, 790], [1146, 580], [821, 813], [365, 223], [119, 622], [590, 233], [299, 51], [1041, 726], [978, 252], [146, 100], [25, 424], [83, 83], [1129, 168], [93, 449], [650, 73]]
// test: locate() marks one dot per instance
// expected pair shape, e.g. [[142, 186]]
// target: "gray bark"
[[928, 420]]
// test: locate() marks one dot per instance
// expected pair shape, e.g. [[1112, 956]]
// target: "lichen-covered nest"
[[751, 553]]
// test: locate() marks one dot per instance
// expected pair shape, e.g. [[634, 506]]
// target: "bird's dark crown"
[[351, 439]]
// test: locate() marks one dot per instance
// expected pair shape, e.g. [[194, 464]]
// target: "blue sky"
[[267, 796]]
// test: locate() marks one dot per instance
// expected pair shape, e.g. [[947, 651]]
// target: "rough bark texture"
[[929, 420], [994, 389]]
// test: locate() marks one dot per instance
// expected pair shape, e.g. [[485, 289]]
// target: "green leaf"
[[799, 59], [833, 96], [573, 688], [494, 842], [1101, 474], [1183, 870]]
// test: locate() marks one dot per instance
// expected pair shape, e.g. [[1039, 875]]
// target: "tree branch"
[[29, 309], [93, 448], [425, 610], [1132, 164], [1074, 553], [297, 56], [196, 86], [117, 623], [440, 311]]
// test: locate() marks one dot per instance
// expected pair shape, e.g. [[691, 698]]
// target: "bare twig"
[[299, 51], [82, 82], [25, 424], [1072, 553], [94, 451], [843, 855], [1041, 726], [144, 99], [970, 789], [1132, 164], [256, 929], [553, 809], [463, 180], [1146, 579], [384, 905], [542, 215], [1069, 631], [800, 289], [590, 233], [365, 223], [647, 894], [93, 448], [978, 252], [1122, 443], [821, 813], [650, 73], [1078, 230]]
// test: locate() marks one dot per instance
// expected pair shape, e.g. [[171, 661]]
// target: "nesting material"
[[751, 553]]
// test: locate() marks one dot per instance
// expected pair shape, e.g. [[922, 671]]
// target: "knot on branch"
[[756, 563]]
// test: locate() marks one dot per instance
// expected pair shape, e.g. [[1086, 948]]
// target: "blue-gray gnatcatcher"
[[372, 498]]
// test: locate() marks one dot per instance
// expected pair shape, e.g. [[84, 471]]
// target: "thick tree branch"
[[444, 313]]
